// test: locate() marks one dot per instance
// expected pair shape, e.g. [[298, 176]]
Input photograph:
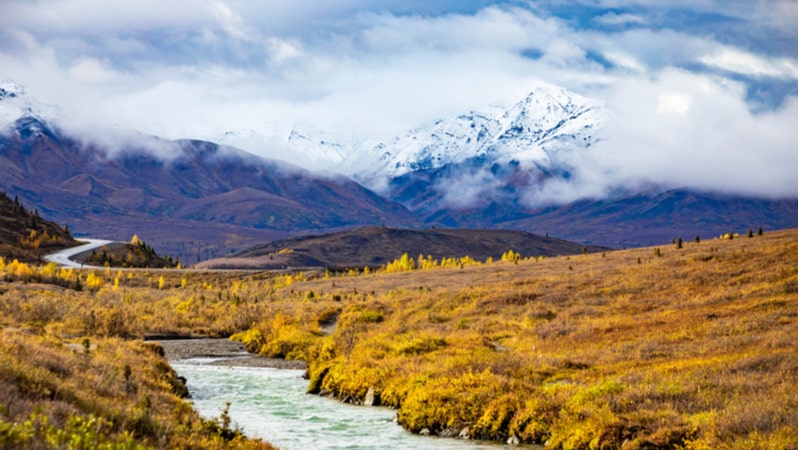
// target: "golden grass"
[[695, 348], [97, 393]]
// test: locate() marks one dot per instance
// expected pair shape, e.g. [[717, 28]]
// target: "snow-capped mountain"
[[323, 149], [15, 102], [546, 121], [549, 120]]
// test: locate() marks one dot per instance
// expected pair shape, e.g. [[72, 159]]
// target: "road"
[[62, 258]]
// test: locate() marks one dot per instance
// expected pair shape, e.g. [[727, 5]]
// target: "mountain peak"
[[16, 104], [10, 89], [547, 120]]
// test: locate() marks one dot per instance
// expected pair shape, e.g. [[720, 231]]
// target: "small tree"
[[760, 232], [750, 233], [697, 238], [679, 243]]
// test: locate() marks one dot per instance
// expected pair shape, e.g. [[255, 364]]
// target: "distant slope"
[[25, 236], [151, 185], [374, 246], [646, 219]]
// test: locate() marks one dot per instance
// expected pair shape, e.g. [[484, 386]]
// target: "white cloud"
[[741, 62], [281, 50], [682, 129], [674, 103], [199, 68], [614, 19], [625, 61], [91, 70], [230, 21]]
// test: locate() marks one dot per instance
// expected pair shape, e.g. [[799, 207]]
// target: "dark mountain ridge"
[[624, 219], [229, 194], [375, 246]]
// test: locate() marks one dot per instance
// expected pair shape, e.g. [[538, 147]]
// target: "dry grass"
[[97, 393], [696, 348]]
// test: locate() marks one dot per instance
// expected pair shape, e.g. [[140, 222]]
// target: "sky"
[[703, 93]]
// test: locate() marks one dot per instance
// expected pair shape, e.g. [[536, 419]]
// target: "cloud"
[[230, 21], [744, 63], [672, 71], [681, 129], [614, 19], [625, 61], [91, 70], [471, 187]]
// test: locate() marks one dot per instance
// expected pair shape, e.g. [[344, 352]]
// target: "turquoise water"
[[271, 404]]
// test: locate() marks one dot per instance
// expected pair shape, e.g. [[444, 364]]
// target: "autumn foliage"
[[693, 347]]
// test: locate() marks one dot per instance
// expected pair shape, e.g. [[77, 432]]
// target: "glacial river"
[[271, 404]]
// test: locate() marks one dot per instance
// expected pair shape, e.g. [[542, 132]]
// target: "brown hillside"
[[375, 246], [203, 194], [25, 236]]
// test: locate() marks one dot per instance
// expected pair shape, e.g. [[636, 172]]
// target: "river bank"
[[224, 351]]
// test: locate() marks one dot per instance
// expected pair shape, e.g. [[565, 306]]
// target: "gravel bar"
[[229, 353]]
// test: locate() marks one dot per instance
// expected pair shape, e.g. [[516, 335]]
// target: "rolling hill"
[[375, 246]]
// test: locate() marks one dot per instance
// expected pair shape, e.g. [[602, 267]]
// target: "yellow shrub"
[[402, 264]]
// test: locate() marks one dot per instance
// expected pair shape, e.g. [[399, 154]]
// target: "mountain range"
[[199, 200], [549, 120], [187, 197]]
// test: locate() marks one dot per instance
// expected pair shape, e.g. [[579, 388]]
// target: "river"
[[271, 404]]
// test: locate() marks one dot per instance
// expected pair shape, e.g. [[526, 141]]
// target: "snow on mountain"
[[549, 120], [310, 144], [303, 145], [16, 103]]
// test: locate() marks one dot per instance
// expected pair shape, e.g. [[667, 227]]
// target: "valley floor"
[[662, 347]]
